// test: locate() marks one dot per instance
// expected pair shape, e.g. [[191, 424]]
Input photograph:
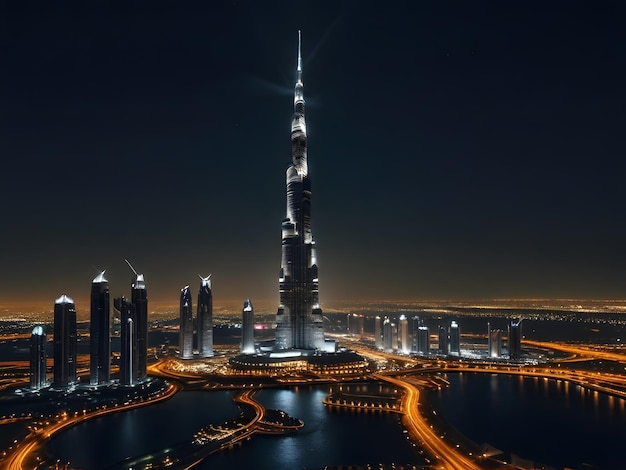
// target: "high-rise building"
[[299, 320], [186, 324], [443, 340], [355, 324], [204, 318], [455, 338], [423, 340], [128, 341], [378, 334], [64, 342], [403, 335], [37, 358], [139, 299], [515, 340], [390, 341], [100, 332], [495, 343], [414, 324], [247, 328]]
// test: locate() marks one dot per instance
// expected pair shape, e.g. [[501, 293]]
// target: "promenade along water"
[[553, 423]]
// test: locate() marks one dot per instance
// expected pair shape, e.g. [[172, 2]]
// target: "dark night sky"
[[457, 149]]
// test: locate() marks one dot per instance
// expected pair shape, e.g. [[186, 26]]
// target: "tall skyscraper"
[[390, 341], [128, 341], [139, 299], [403, 335], [186, 324], [204, 317], [423, 340], [515, 340], [247, 328], [64, 342], [443, 340], [37, 358], [100, 332], [455, 338], [495, 343], [299, 321], [378, 334]]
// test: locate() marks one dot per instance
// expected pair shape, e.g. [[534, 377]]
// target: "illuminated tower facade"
[[403, 335], [455, 338], [128, 341], [185, 337], [37, 358], [139, 300], [100, 332], [299, 321], [495, 343], [64, 342], [378, 334], [247, 328], [390, 341], [205, 318]]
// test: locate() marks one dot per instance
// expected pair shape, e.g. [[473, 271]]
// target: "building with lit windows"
[[38, 358], [64, 343], [185, 341], [100, 332]]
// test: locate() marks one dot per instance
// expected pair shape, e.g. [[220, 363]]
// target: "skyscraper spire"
[[298, 124], [299, 57]]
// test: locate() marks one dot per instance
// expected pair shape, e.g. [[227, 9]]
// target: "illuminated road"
[[26, 450], [586, 352], [418, 428]]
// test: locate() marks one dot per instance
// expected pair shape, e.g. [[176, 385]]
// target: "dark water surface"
[[551, 422]]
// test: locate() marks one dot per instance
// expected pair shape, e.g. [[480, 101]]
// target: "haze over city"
[[460, 150]]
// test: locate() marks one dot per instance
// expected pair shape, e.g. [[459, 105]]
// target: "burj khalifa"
[[299, 321]]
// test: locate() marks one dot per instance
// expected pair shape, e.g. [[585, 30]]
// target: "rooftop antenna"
[[200, 276], [131, 266]]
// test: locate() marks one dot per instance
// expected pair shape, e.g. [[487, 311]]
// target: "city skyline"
[[461, 151]]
